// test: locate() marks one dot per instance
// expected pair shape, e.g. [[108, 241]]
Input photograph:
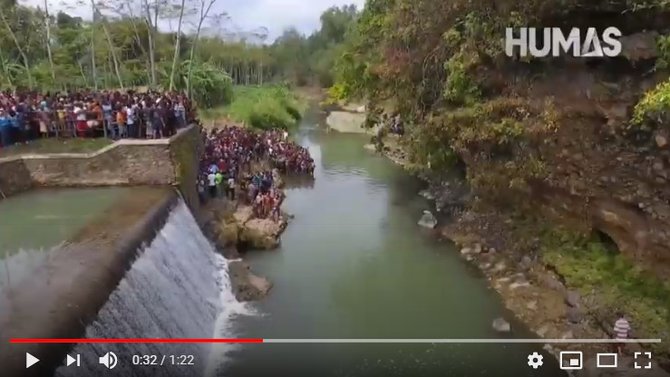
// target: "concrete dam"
[[107, 245]]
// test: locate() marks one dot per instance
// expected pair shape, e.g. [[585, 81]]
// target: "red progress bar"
[[132, 340]]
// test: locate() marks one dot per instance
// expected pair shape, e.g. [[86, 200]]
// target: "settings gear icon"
[[535, 360]]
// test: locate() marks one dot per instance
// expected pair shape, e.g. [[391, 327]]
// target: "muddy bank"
[[530, 288], [65, 293]]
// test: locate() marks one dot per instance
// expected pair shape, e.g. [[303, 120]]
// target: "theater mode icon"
[[572, 360], [607, 360]]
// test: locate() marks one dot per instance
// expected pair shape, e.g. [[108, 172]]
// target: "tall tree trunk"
[[47, 25], [83, 75], [111, 46], [177, 46], [261, 71], [94, 68], [150, 35], [24, 57], [5, 70], [138, 39], [203, 15]]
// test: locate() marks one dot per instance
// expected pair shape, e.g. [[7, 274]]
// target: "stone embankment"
[[126, 162]]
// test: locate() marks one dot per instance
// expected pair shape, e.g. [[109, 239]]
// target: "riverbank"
[[558, 291]]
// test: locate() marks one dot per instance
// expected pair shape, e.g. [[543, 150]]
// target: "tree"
[[47, 23], [205, 7], [177, 45], [5, 22], [115, 59]]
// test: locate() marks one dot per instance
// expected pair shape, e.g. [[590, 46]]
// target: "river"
[[354, 264]]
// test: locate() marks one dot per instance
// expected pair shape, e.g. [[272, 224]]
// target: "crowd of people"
[[227, 168], [31, 115]]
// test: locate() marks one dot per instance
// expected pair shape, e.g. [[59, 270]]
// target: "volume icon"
[[109, 360], [69, 360]]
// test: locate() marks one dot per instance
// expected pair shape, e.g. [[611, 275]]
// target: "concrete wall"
[[126, 162], [14, 177]]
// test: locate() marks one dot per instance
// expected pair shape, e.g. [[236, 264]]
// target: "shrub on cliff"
[[653, 110]]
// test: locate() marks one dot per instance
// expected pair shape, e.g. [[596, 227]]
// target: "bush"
[[269, 114], [652, 110], [265, 107]]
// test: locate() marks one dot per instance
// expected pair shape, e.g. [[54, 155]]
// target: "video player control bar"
[[327, 341]]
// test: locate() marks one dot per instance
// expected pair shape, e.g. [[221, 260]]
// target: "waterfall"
[[177, 288]]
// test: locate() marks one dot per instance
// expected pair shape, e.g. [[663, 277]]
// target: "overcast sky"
[[276, 15]]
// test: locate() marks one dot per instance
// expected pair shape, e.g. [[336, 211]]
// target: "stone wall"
[[14, 177], [126, 162], [185, 153]]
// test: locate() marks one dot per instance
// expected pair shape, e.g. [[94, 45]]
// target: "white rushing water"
[[178, 287]]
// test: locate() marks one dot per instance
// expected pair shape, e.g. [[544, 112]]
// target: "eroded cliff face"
[[576, 153]]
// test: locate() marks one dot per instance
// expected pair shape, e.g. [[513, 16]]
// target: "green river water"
[[33, 223], [355, 264]]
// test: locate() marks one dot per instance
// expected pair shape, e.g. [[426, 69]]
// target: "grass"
[[263, 107], [588, 265], [54, 145]]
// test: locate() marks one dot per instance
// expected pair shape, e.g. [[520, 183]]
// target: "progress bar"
[[326, 341], [461, 341]]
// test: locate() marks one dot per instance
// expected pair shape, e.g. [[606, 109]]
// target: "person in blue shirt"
[[5, 128]]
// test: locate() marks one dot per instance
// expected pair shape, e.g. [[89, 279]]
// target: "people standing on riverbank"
[[93, 114], [237, 152]]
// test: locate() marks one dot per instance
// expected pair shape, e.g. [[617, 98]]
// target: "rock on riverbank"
[[233, 228], [246, 285]]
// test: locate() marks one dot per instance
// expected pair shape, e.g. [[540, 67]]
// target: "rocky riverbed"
[[535, 293]]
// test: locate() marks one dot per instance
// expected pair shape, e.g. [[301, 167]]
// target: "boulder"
[[346, 122], [526, 263], [427, 194], [428, 220], [640, 46], [574, 315], [370, 147], [261, 233], [246, 285], [243, 214], [572, 298], [478, 248], [661, 140], [531, 305], [500, 325], [228, 235]]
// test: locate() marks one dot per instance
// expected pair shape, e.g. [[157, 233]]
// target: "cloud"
[[245, 15]]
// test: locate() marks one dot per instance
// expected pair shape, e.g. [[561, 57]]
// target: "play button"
[[30, 360]]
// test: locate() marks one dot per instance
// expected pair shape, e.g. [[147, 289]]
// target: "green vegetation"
[[123, 48], [262, 107], [42, 146], [654, 108], [587, 264]]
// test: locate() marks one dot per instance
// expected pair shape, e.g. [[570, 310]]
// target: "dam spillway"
[[132, 265]]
